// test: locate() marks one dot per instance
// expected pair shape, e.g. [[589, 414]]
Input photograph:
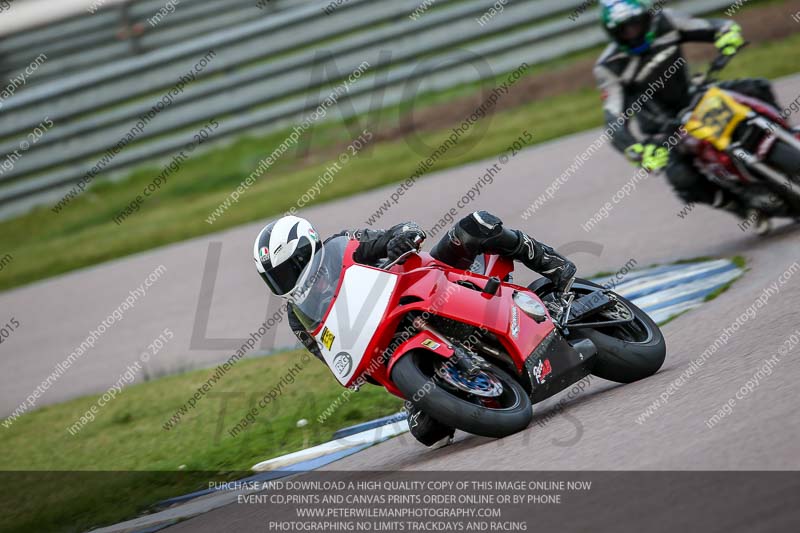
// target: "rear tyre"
[[625, 353], [415, 374]]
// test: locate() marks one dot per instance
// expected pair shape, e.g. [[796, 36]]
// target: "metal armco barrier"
[[272, 61]]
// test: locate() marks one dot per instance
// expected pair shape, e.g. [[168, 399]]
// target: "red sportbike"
[[743, 145], [470, 348]]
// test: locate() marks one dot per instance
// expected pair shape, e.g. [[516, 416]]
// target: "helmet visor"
[[632, 32], [283, 278]]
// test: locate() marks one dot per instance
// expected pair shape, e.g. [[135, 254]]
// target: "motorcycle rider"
[[645, 51], [288, 254]]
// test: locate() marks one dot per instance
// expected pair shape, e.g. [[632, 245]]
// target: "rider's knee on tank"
[[681, 174], [482, 231], [480, 224], [689, 184], [467, 239]]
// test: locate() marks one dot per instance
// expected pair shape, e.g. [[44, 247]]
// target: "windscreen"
[[315, 298]]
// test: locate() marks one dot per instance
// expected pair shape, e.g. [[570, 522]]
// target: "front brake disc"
[[484, 384]]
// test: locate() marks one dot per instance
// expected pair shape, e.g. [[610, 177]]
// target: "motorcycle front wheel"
[[493, 404], [786, 159], [626, 352]]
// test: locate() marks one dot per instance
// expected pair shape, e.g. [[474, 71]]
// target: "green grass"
[[716, 293], [127, 435], [84, 233], [673, 317], [741, 263], [737, 260]]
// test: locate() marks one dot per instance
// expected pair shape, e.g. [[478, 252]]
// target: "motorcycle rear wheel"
[[415, 375]]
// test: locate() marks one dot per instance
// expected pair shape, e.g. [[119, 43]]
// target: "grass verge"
[[150, 463]]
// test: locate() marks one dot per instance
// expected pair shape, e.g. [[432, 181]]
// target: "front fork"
[[742, 156]]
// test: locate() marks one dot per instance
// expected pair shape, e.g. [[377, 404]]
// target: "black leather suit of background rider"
[[624, 78]]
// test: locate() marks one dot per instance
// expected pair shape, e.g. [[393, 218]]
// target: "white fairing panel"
[[354, 319]]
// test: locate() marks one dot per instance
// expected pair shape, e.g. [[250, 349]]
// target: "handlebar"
[[699, 87], [719, 63], [386, 265]]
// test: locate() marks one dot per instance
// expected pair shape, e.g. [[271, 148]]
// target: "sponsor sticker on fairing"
[[327, 338], [542, 370], [431, 344], [343, 363], [514, 322]]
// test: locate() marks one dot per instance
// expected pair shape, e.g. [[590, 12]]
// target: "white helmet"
[[286, 252]]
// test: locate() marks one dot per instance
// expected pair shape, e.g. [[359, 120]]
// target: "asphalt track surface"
[[598, 429]]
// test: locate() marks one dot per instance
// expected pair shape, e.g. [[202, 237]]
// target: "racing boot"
[[728, 202], [426, 430], [751, 217], [762, 224], [543, 259]]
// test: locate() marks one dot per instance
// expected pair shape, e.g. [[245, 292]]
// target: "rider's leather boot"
[[427, 430], [762, 224], [728, 202], [751, 217]]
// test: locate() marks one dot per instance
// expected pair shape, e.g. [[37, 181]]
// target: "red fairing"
[[435, 285], [720, 163], [429, 287], [760, 107]]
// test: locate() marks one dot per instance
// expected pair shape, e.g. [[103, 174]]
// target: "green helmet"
[[629, 23]]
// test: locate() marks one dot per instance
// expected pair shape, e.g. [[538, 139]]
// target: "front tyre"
[[786, 159], [629, 353], [496, 406], [625, 353]]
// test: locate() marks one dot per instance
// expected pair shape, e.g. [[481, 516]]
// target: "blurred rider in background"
[[646, 51]]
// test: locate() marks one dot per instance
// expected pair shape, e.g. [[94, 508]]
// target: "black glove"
[[406, 238], [398, 246]]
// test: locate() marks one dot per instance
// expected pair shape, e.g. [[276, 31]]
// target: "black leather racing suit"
[[624, 79], [475, 234]]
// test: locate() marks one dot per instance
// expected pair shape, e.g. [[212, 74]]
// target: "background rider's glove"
[[729, 41], [634, 153], [650, 156]]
